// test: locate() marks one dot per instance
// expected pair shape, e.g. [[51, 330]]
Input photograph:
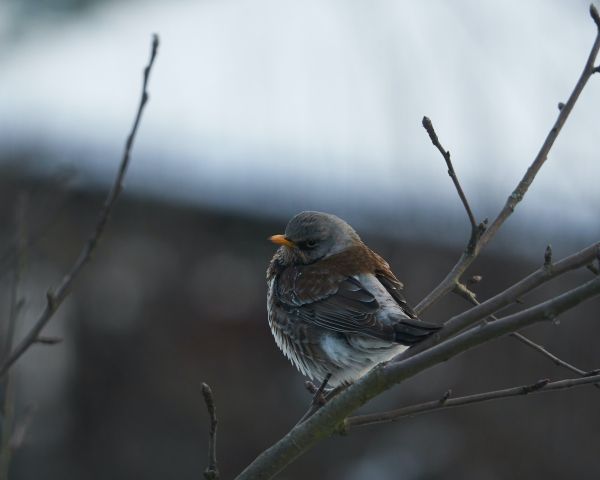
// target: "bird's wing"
[[394, 287], [341, 303]]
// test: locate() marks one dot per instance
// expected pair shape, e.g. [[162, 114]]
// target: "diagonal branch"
[[541, 386], [57, 296], [475, 230], [507, 297], [469, 255], [470, 296]]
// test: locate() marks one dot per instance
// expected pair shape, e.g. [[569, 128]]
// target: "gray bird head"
[[311, 236]]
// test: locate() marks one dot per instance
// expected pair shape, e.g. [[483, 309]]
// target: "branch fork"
[[460, 333]]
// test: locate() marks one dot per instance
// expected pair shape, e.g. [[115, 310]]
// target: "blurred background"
[[260, 109]]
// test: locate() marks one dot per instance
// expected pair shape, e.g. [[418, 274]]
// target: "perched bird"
[[334, 305]]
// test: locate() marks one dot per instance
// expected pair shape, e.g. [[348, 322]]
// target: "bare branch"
[[476, 230], [470, 296], [212, 471], [469, 255], [557, 361], [540, 386], [56, 296], [507, 297], [8, 400]]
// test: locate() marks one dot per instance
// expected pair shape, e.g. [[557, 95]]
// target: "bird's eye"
[[310, 243]]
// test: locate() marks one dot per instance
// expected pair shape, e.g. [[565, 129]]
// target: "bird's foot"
[[319, 397]]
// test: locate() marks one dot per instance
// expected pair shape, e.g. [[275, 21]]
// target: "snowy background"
[[272, 107]]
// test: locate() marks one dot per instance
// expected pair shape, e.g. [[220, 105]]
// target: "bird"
[[335, 308]]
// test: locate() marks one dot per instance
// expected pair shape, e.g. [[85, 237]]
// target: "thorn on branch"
[[548, 257], [211, 472], [51, 299], [446, 396], [535, 386], [561, 105], [595, 15], [596, 69]]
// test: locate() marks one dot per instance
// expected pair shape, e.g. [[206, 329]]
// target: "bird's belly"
[[351, 356]]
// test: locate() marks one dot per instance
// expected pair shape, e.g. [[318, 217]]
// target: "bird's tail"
[[410, 331]]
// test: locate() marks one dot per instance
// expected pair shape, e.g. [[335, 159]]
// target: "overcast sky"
[[279, 106]]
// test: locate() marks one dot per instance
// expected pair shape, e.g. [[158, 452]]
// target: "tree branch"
[[469, 255], [476, 230], [57, 296], [557, 360], [8, 398], [470, 296], [507, 297], [212, 471], [540, 386]]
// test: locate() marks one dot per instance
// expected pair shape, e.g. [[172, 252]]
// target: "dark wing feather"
[[394, 288], [330, 301], [341, 304]]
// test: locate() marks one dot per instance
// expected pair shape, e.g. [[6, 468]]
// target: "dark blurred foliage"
[[175, 296]]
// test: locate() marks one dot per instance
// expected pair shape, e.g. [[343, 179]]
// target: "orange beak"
[[282, 240]]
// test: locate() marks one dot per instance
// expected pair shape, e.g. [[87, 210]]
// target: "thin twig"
[[212, 471], [505, 298], [469, 255], [557, 360], [470, 296], [56, 296], [475, 230], [8, 401], [540, 386]]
